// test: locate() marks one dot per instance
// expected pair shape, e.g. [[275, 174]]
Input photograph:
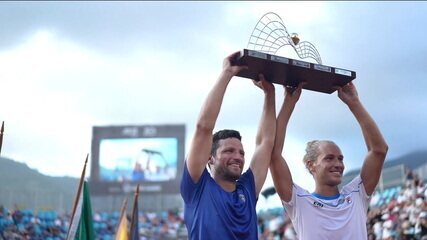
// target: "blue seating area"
[[49, 225], [386, 196]]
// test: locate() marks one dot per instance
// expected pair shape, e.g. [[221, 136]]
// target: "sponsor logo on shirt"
[[317, 204], [242, 197]]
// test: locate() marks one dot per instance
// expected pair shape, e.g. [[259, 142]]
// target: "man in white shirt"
[[328, 213]]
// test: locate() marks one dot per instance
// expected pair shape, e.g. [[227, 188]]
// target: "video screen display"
[[138, 159], [123, 157]]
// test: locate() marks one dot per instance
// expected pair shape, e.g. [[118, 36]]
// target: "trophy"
[[268, 36]]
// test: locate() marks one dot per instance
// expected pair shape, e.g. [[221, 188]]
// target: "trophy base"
[[290, 72]]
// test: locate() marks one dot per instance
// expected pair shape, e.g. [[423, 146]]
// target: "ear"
[[310, 166], [211, 160]]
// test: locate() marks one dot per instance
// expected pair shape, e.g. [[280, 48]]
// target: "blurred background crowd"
[[398, 213]]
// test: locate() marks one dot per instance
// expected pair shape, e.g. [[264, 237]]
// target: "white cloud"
[[141, 67]]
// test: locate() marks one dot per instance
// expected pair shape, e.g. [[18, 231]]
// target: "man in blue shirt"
[[221, 205]]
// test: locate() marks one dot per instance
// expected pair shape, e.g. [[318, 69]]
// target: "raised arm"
[[200, 147], [377, 147], [265, 135], [279, 169]]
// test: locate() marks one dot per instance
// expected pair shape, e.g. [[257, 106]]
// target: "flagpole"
[[76, 200], [1, 135]]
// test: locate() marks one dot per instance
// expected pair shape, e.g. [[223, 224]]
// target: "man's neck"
[[228, 186], [326, 190]]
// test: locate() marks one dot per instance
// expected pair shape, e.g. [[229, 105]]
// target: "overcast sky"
[[68, 66]]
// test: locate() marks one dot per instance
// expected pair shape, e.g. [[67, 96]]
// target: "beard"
[[227, 174]]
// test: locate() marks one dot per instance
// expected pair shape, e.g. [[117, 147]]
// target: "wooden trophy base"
[[290, 72]]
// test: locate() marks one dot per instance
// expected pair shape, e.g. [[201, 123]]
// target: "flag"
[[81, 224], [122, 230], [134, 230], [85, 230]]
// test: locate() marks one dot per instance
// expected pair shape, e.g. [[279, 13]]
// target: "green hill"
[[27, 188]]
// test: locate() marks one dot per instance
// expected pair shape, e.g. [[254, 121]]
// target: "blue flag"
[[134, 230]]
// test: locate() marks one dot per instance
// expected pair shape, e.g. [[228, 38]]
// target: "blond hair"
[[312, 151]]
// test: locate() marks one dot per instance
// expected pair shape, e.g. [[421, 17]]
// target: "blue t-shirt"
[[212, 213]]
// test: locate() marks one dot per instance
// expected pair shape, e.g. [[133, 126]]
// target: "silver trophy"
[[268, 36]]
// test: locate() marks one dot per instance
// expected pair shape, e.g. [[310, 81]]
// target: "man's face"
[[328, 168], [229, 159]]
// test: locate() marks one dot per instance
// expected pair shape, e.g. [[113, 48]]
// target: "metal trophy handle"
[[270, 34]]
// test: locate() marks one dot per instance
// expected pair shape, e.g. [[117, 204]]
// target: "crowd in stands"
[[48, 225], [398, 213], [402, 215]]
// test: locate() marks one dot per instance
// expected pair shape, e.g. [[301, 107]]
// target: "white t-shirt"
[[339, 217]]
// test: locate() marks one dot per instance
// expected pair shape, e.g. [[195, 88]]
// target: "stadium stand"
[[398, 211]]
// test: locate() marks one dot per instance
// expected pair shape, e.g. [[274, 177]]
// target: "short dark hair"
[[223, 134]]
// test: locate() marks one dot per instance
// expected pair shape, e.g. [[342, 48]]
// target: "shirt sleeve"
[[356, 185], [189, 189], [247, 180], [290, 207]]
